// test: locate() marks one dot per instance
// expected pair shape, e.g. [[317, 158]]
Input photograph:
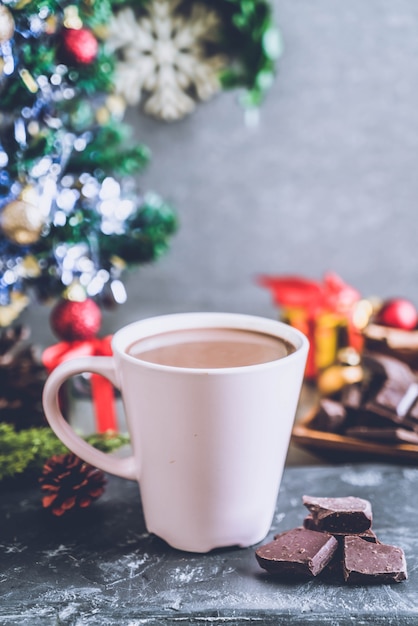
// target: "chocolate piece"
[[330, 417], [341, 515], [333, 572], [367, 535], [393, 387], [389, 368], [393, 402], [412, 418], [392, 435], [352, 396], [369, 419], [309, 523], [395, 342], [366, 562], [297, 553]]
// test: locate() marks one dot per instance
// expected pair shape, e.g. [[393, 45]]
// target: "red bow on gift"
[[102, 389], [314, 298], [333, 294]]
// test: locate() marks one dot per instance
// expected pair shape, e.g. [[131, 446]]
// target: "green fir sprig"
[[110, 151], [253, 41], [25, 451]]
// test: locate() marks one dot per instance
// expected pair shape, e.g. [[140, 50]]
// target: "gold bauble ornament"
[[22, 222], [116, 105], [75, 292], [10, 312], [7, 24], [72, 18], [29, 267]]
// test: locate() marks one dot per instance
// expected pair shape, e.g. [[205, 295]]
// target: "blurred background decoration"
[[171, 55], [71, 220], [326, 183], [71, 217], [74, 212]]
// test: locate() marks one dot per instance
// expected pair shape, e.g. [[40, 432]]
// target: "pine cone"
[[70, 483], [22, 377]]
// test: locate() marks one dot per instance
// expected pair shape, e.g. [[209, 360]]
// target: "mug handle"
[[105, 366]]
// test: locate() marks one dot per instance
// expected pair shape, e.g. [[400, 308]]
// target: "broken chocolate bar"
[[383, 407], [352, 396], [389, 368], [297, 553], [393, 387], [367, 535], [394, 403], [330, 417], [403, 344], [392, 435], [341, 555], [366, 562], [342, 515]]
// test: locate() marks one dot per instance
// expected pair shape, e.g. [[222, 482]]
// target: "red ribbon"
[[102, 389], [332, 295]]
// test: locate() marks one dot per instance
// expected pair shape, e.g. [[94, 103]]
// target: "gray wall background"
[[328, 180]]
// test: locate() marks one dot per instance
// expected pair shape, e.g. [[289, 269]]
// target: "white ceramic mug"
[[209, 445]]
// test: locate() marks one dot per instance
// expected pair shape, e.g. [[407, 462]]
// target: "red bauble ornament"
[[80, 45], [398, 313], [76, 321]]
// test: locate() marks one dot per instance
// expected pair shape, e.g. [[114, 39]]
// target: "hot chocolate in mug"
[[210, 400]]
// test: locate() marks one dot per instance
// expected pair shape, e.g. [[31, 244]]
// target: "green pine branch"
[[27, 450], [109, 152], [147, 233]]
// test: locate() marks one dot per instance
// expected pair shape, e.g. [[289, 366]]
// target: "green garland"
[[254, 42], [25, 452]]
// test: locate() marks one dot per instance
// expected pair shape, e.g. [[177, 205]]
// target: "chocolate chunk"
[[333, 572], [392, 435], [330, 417], [366, 562], [367, 535], [389, 368], [352, 396], [297, 553], [341, 515], [393, 390], [412, 418], [395, 342], [370, 419], [394, 402], [309, 523]]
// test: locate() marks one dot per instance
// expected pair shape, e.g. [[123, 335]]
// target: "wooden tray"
[[339, 447]]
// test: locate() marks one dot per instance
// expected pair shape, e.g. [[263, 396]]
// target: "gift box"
[[325, 311]]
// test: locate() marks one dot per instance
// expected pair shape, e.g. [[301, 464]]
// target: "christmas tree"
[[71, 218]]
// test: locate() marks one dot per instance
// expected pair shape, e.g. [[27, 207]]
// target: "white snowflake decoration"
[[163, 57]]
